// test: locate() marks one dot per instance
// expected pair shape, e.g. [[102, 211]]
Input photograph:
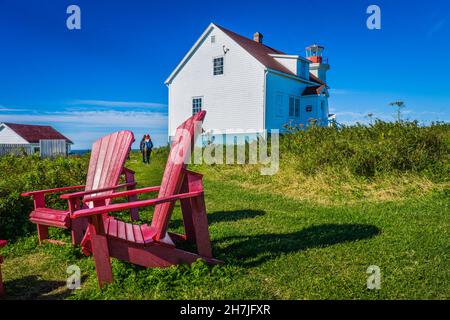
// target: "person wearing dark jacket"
[[141, 148], [147, 146]]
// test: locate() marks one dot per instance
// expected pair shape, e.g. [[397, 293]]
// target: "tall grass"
[[376, 149]]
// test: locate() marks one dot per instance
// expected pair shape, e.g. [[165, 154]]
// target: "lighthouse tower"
[[319, 65]]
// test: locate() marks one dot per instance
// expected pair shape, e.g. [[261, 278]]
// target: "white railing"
[[16, 149], [45, 148]]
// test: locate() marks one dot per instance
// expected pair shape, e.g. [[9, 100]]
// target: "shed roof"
[[313, 90], [34, 133]]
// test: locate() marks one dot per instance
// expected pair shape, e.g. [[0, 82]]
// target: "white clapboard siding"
[[53, 148], [9, 136], [233, 100]]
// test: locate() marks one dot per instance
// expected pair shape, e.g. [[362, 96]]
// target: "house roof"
[[34, 133], [259, 51], [313, 90], [262, 53]]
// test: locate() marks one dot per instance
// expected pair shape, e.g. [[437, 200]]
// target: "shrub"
[[20, 174]]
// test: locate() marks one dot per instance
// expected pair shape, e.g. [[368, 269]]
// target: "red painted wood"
[[78, 227], [108, 157], [55, 190], [130, 232], [186, 210], [52, 215], [151, 245], [138, 234], [91, 192], [42, 232], [121, 194], [121, 233], [148, 233], [155, 255], [200, 223], [106, 164], [129, 177], [183, 141], [101, 255], [112, 229], [137, 204]]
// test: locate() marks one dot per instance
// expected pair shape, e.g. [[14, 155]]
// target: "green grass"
[[275, 244]]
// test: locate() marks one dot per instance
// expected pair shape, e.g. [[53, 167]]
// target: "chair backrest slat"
[[180, 152], [107, 160]]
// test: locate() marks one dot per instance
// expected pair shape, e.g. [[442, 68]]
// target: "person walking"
[[148, 147], [141, 147]]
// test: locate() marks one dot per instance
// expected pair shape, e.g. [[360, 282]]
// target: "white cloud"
[[92, 118], [84, 127], [4, 109], [123, 104]]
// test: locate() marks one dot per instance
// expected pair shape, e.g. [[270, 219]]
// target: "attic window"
[[218, 66], [213, 39]]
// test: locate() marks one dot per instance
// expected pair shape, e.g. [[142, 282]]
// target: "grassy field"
[[288, 236]]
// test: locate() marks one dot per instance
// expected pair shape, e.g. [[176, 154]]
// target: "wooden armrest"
[[83, 193], [122, 194], [55, 190], [135, 204]]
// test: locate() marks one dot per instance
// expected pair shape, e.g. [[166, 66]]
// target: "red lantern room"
[[319, 65], [314, 53]]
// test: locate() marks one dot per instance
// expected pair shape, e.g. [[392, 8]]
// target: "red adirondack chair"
[[2, 289], [152, 245], [106, 165]]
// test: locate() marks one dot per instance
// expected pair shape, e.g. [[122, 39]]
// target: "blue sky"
[[110, 74]]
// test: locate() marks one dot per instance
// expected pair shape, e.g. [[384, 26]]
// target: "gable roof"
[[259, 51], [262, 53], [34, 133], [314, 90]]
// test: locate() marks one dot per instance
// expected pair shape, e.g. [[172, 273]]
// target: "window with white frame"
[[294, 106], [218, 66], [213, 39], [196, 105]]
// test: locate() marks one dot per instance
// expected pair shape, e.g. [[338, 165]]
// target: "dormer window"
[[218, 66]]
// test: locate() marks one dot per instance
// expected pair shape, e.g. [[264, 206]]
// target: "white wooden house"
[[32, 139], [246, 85]]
